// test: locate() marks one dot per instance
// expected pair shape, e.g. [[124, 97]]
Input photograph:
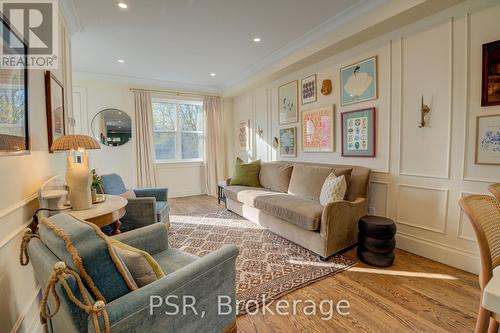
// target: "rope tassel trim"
[[59, 274]]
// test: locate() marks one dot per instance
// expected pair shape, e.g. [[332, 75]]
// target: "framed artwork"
[[318, 129], [244, 135], [308, 88], [359, 133], [490, 91], [488, 140], [288, 101], [56, 114], [288, 142], [358, 82], [14, 129]]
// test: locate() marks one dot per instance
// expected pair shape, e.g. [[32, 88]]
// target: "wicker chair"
[[495, 190], [484, 213]]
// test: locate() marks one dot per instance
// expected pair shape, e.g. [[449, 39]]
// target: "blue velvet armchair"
[[150, 206], [207, 280]]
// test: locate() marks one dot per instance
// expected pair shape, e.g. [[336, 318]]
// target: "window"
[[178, 130]]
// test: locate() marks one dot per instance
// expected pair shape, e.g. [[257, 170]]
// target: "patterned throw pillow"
[[334, 189]]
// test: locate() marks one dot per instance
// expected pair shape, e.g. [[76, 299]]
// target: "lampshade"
[[75, 142]]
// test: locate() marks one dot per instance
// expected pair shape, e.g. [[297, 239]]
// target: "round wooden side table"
[[105, 213]]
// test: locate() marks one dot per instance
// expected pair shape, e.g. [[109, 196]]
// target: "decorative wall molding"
[[386, 184], [18, 205], [450, 110], [462, 217], [441, 230], [32, 307]]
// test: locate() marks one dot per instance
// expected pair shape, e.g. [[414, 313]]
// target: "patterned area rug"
[[268, 266]]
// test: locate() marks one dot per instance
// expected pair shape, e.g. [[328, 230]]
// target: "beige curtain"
[[144, 145], [214, 143]]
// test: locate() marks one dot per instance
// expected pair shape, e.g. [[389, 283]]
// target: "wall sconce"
[[424, 110], [259, 130], [275, 142]]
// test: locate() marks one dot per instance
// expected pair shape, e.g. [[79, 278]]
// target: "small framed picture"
[[358, 82], [488, 140], [359, 133], [490, 92], [244, 135], [288, 100], [56, 114], [318, 129], [308, 89], [288, 142]]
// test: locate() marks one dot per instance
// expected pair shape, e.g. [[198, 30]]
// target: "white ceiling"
[[180, 42]]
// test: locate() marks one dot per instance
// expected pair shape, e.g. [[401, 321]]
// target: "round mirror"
[[112, 127]]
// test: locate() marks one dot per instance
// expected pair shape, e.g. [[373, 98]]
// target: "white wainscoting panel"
[[422, 207], [426, 151], [377, 199]]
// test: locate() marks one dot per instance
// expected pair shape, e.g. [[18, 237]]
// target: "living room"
[[251, 166]]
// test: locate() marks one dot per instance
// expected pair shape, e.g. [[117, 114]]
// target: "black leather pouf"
[[376, 242]]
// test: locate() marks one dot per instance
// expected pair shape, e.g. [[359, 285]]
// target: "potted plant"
[[96, 185]]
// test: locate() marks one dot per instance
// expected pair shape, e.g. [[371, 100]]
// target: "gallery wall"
[[21, 176], [419, 174]]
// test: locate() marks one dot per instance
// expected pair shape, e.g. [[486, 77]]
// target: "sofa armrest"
[[140, 212], [201, 281], [161, 194], [152, 238], [341, 219]]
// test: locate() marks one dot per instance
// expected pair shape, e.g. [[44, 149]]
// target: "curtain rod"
[[171, 92]]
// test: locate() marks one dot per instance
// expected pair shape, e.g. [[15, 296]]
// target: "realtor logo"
[[32, 37]]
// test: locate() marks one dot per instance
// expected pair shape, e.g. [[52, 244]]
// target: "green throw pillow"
[[246, 174]]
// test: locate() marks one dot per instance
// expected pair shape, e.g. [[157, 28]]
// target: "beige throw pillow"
[[334, 189], [141, 265]]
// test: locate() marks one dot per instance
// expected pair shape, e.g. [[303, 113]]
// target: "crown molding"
[[328, 26], [68, 10], [144, 82]]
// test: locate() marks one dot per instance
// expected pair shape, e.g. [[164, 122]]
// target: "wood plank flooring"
[[414, 295]]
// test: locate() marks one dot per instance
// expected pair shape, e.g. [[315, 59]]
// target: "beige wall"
[[20, 177], [91, 96], [419, 174]]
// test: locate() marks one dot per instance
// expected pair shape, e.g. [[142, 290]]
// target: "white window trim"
[[178, 134]]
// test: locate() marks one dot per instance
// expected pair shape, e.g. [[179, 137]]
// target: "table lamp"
[[78, 176]]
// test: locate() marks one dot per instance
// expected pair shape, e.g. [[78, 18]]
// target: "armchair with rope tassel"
[[87, 286]]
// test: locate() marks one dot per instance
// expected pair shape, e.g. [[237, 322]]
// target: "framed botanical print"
[[288, 142], [244, 135], [358, 82], [288, 101], [56, 114], [14, 129], [359, 133], [490, 92], [488, 140], [308, 89], [318, 129]]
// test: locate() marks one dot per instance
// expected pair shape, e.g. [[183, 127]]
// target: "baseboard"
[[439, 252], [186, 193]]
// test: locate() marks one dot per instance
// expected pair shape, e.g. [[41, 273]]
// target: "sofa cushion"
[[307, 180], [275, 175], [304, 213], [245, 194], [172, 259], [246, 174]]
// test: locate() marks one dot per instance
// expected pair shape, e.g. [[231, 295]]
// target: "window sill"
[[178, 164]]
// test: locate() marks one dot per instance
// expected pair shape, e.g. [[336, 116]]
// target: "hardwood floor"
[[414, 295]]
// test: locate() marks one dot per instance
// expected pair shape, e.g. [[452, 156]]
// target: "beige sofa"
[[288, 204]]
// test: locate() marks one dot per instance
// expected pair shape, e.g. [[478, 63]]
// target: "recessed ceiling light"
[[212, 74], [121, 61], [257, 39], [122, 5]]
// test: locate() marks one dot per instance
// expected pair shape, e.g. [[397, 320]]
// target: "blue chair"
[[207, 280], [149, 206]]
